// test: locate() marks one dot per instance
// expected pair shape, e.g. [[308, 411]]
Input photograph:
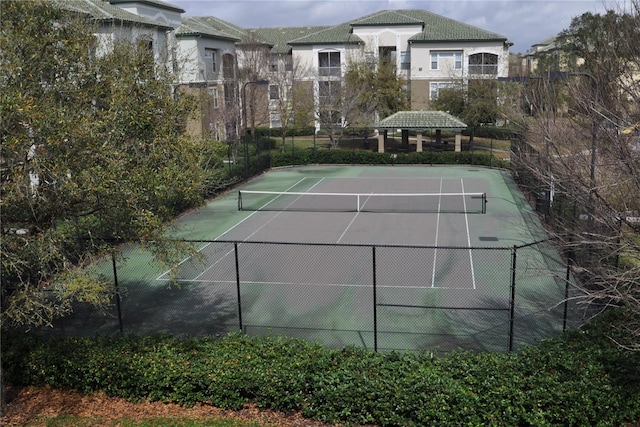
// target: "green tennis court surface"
[[386, 257]]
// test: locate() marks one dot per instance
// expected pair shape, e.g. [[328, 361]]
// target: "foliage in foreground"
[[582, 378]]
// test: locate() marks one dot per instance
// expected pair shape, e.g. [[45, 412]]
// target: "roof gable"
[[387, 17]]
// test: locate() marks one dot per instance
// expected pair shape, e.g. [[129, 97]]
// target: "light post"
[[245, 130]]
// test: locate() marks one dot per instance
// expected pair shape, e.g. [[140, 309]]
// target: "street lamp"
[[245, 131]]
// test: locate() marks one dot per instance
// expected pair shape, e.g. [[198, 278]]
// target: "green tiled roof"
[[439, 28], [388, 17], [105, 12], [434, 27], [421, 120], [210, 26], [158, 3], [279, 38], [338, 34]]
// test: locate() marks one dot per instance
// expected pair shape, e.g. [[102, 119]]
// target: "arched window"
[[483, 63], [228, 66]]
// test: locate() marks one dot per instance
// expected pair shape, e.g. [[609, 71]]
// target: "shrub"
[[581, 378]]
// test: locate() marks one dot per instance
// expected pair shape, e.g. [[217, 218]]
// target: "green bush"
[[361, 157], [494, 132], [291, 131], [581, 378]]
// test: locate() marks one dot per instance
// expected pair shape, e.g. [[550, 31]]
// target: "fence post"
[[115, 281], [375, 302], [566, 295], [512, 311], [235, 247]]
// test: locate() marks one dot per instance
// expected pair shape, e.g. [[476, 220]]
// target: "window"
[[210, 64], [436, 86], [274, 120], [329, 63], [329, 91], [405, 60], [213, 94], [483, 63], [230, 94], [388, 55], [228, 66], [288, 63], [274, 92], [273, 63], [443, 59]]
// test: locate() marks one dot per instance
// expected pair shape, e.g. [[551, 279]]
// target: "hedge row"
[[291, 131], [494, 132], [580, 379], [360, 157]]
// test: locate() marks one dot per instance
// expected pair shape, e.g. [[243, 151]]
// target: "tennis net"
[[250, 200]]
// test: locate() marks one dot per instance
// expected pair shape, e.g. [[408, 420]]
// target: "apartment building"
[[215, 59]]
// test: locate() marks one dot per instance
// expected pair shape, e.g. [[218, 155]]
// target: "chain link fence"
[[382, 297]]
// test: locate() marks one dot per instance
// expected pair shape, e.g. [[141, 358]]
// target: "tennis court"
[[385, 257]]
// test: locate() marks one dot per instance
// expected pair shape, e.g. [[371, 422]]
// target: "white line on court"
[[336, 285], [435, 251], [466, 220], [351, 222], [227, 231]]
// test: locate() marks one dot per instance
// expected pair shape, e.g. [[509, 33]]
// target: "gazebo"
[[419, 121]]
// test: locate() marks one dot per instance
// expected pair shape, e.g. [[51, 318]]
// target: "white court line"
[[466, 220], [336, 285], [227, 231], [352, 221], [435, 251]]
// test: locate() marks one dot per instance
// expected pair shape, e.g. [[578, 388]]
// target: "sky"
[[523, 22]]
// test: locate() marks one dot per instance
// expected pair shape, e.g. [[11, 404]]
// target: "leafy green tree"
[[93, 152]]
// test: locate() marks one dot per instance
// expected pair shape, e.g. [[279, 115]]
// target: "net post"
[[484, 203], [240, 200]]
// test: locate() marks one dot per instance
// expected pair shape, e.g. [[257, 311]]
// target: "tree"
[[475, 105], [94, 153], [283, 75], [366, 91], [386, 92], [591, 165]]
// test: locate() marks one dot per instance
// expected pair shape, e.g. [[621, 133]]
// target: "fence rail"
[[383, 297]]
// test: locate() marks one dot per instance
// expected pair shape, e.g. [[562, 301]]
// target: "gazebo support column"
[[458, 140], [381, 137], [419, 142]]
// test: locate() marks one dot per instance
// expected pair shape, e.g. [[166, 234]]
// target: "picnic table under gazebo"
[[419, 121]]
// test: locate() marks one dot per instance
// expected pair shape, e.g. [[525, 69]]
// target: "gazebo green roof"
[[421, 120]]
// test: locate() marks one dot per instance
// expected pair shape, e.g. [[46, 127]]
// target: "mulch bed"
[[31, 404]]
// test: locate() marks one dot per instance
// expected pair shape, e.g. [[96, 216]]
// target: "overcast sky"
[[522, 22]]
